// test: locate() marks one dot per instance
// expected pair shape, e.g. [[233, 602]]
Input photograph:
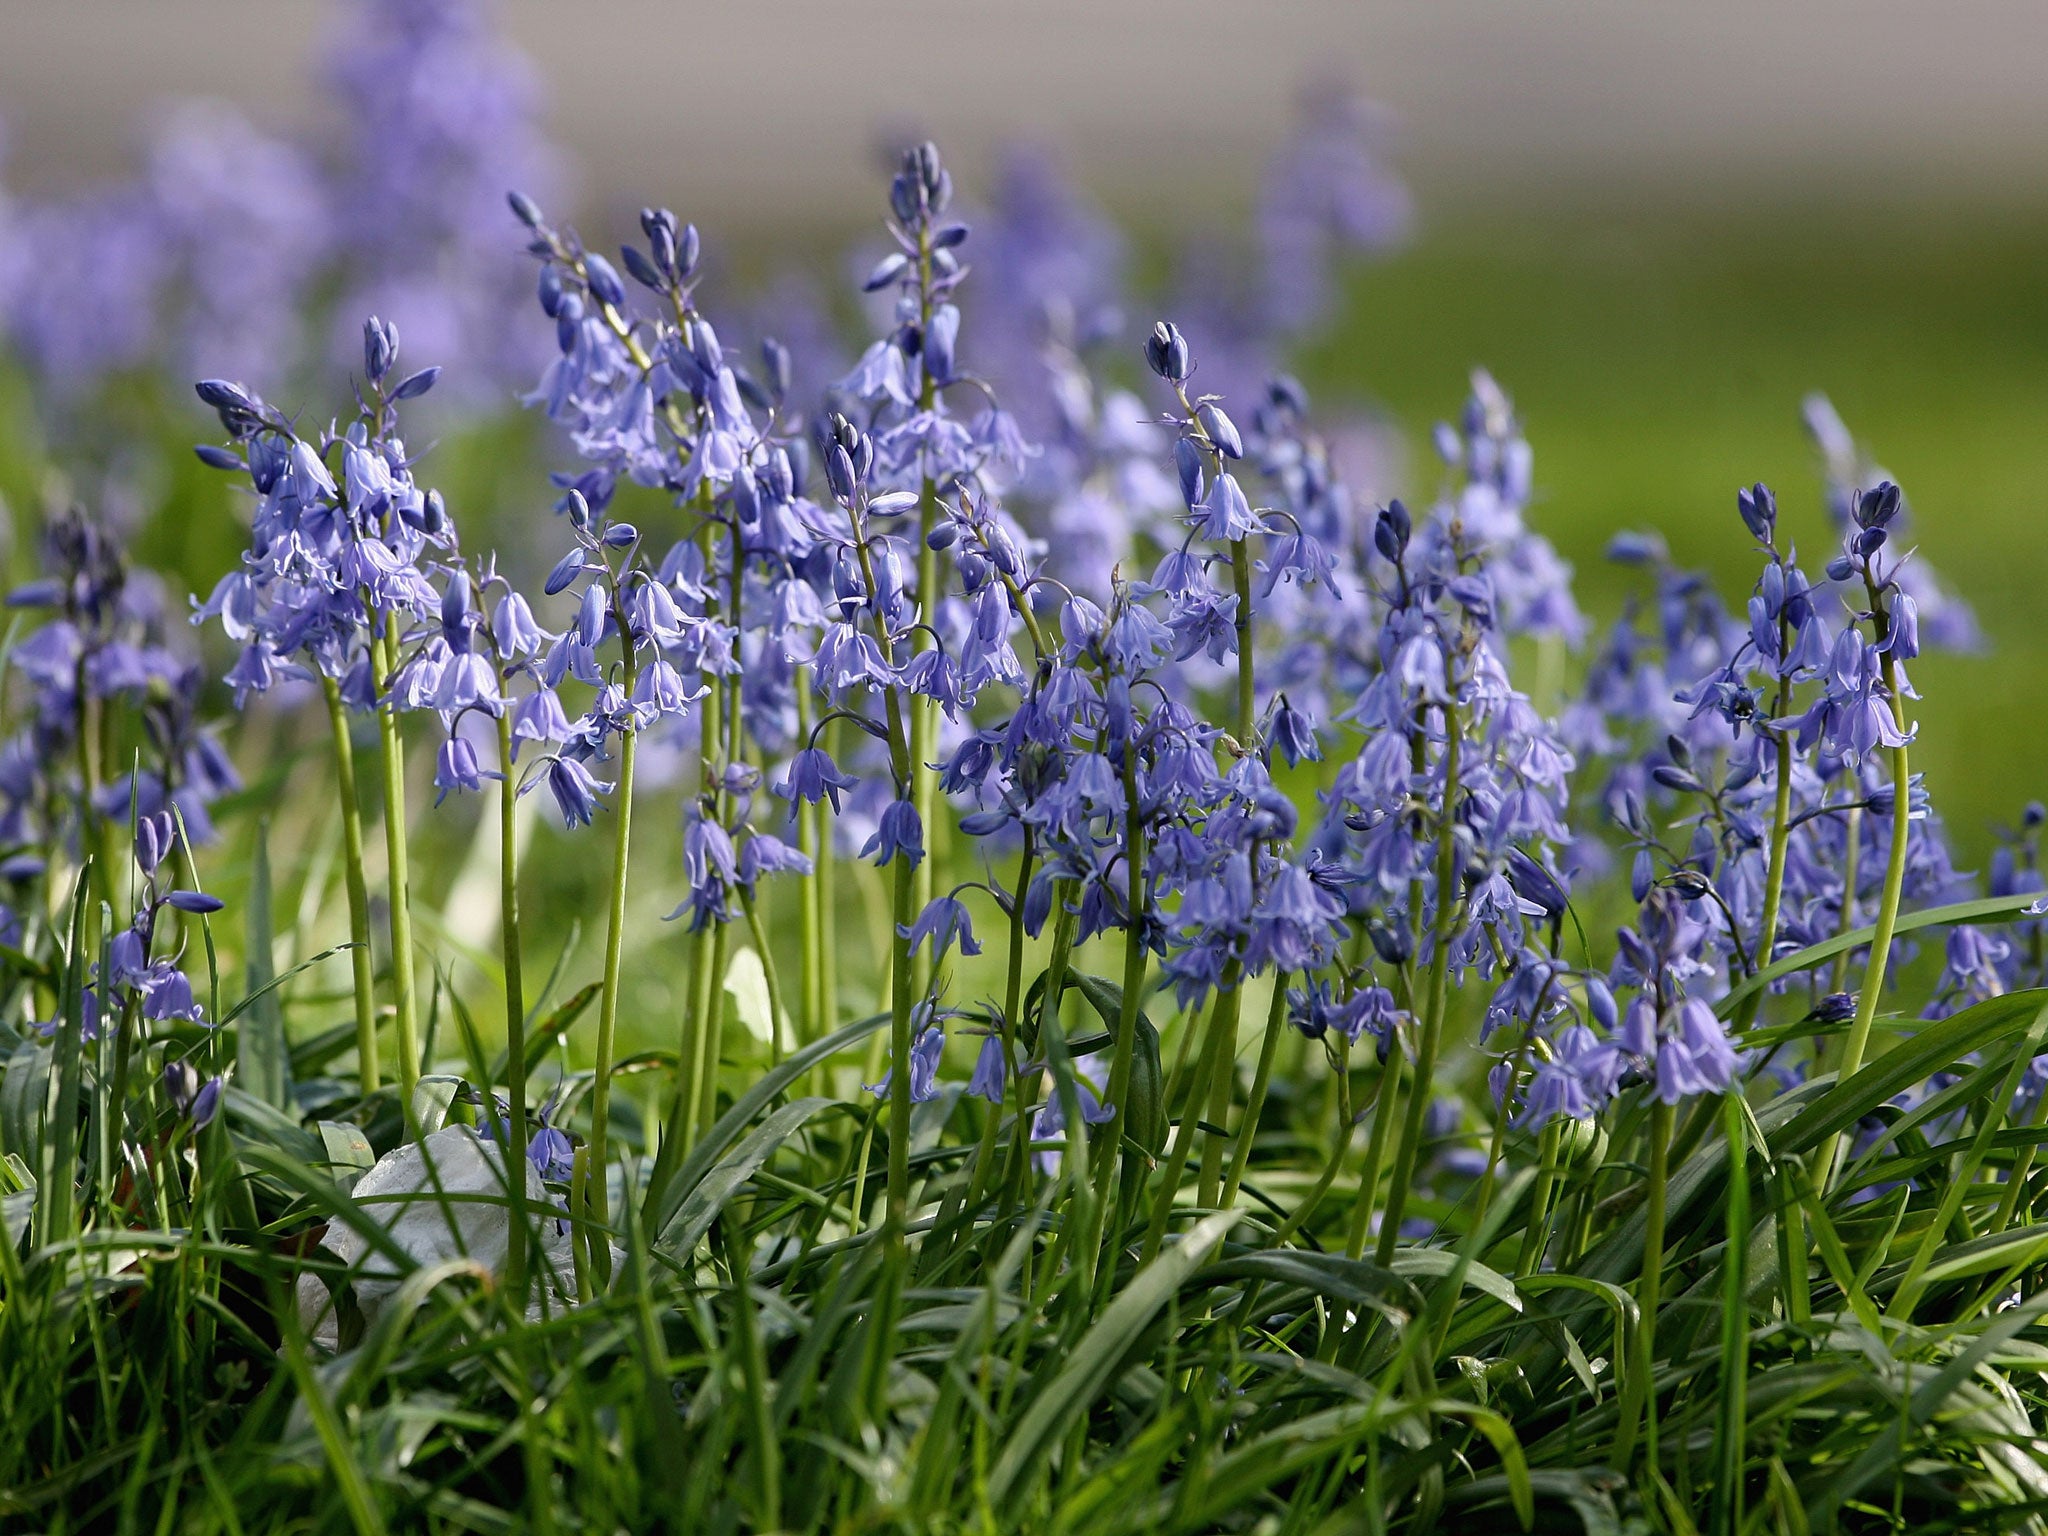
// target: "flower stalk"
[[361, 961]]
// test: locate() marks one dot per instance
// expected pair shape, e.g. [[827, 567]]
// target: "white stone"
[[404, 1193]]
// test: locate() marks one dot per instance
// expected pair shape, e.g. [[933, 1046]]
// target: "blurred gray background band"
[[767, 111]]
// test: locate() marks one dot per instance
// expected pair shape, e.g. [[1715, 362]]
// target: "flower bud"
[[839, 472], [776, 367], [458, 611], [1221, 430], [418, 384], [885, 272], [1390, 531], [1187, 463], [566, 570], [641, 268], [181, 1084], [206, 1103], [1166, 351], [1876, 508], [604, 282], [1759, 509], [380, 348]]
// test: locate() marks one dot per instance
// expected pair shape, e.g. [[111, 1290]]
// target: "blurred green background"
[[1658, 358]]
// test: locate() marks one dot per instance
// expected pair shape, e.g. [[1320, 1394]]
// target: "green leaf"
[[268, 1125], [1513, 1464], [701, 1207], [2021, 1246], [1438, 1262], [315, 1049], [1354, 1282], [665, 1200], [1938, 1046], [1146, 1123], [1085, 1373], [1889, 1449], [22, 1094], [1990, 908], [349, 1152]]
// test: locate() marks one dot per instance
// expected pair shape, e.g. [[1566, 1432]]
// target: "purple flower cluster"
[[1062, 658], [237, 254]]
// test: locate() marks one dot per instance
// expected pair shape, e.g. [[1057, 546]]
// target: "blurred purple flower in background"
[[210, 259]]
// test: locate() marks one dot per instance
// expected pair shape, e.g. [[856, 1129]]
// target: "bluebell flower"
[[763, 854], [1224, 515], [575, 791], [538, 717], [812, 777], [513, 628], [456, 768], [900, 833], [925, 1051], [991, 1069], [167, 994], [1049, 1123], [945, 922], [1293, 733]]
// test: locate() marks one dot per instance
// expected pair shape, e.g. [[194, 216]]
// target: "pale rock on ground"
[[405, 1192]]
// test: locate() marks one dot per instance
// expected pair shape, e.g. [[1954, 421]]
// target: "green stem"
[[924, 712], [1064, 923], [1852, 857], [1013, 992], [594, 1197], [680, 1132], [711, 1039], [515, 1009], [1135, 960], [1338, 1145], [1276, 1018], [1774, 874], [1376, 1151], [1887, 919], [810, 1010], [1222, 1092], [1731, 1424], [361, 962], [1409, 1148], [397, 876], [828, 905], [1642, 1399], [901, 1003], [1217, 1042], [1536, 1236], [751, 906], [1241, 578]]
